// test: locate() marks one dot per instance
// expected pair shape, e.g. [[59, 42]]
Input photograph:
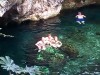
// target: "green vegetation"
[[9, 65]]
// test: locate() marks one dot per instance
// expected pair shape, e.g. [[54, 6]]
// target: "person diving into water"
[[80, 18]]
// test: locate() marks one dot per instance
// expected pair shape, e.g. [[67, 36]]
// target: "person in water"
[[41, 45], [80, 18], [48, 41], [55, 42]]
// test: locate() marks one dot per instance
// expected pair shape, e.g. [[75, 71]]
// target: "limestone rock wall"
[[70, 4], [29, 9]]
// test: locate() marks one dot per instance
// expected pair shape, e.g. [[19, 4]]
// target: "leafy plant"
[[33, 70], [44, 70], [50, 50], [40, 57], [8, 64]]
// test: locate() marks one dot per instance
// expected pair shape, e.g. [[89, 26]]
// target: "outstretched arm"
[[76, 16], [84, 16]]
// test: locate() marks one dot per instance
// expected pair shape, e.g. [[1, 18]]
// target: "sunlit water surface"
[[84, 38]]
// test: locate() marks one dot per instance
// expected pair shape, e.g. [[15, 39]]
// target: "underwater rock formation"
[[97, 33], [70, 51], [51, 58]]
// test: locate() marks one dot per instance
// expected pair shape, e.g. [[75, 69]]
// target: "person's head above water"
[[49, 35], [79, 13], [56, 38]]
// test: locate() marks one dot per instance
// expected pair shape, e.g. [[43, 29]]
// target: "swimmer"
[[48, 41], [56, 43], [50, 38], [45, 40], [80, 18], [40, 45]]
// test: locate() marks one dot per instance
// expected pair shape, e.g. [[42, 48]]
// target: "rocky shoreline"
[[37, 9]]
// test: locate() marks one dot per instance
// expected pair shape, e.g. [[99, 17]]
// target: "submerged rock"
[[97, 33], [70, 51]]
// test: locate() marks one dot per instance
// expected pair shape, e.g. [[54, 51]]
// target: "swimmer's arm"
[[37, 44], [84, 16], [76, 16]]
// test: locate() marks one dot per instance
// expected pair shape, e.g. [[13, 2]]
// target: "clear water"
[[84, 38]]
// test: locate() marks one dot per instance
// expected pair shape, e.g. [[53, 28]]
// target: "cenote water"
[[84, 38]]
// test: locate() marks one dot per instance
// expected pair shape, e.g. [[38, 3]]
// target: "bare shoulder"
[[76, 16]]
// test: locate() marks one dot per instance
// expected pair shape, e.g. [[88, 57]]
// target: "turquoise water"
[[84, 38]]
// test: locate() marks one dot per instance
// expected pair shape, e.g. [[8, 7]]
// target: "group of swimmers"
[[48, 41], [53, 41]]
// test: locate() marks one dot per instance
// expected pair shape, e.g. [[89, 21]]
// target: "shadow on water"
[[83, 37]]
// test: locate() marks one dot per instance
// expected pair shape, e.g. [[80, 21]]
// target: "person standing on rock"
[[80, 18]]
